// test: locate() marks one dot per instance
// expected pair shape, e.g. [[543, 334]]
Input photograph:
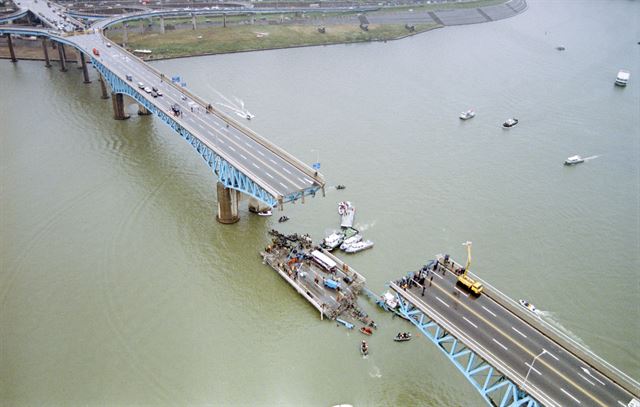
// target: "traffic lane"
[[559, 364], [477, 338], [564, 361]]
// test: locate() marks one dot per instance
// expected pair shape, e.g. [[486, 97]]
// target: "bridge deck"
[[556, 377]]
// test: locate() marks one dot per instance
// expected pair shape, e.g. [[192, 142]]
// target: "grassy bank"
[[215, 40]]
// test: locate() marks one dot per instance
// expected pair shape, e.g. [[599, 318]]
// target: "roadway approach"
[[244, 162], [518, 350]]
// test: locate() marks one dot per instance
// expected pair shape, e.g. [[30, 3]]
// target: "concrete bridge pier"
[[119, 112], [45, 50], [193, 22], [125, 35], [162, 24], [143, 111], [63, 60], [11, 51], [103, 86], [227, 205], [85, 71], [224, 20], [256, 206]]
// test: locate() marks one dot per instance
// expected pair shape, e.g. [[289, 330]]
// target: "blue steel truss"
[[227, 174], [494, 387]]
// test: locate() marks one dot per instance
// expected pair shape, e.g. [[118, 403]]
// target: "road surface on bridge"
[[554, 376]]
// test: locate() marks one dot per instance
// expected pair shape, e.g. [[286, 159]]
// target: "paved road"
[[555, 378], [278, 173]]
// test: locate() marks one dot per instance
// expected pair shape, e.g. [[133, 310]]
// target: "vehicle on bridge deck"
[[96, 52], [140, 85], [467, 282], [129, 78]]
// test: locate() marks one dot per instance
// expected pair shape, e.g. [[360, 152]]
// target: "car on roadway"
[[153, 88], [183, 97], [108, 44], [140, 85], [159, 92], [147, 89], [154, 93], [129, 78]]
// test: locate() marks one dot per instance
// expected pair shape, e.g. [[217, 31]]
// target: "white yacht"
[[469, 114], [351, 240], [623, 77], [359, 246], [332, 241], [573, 160]]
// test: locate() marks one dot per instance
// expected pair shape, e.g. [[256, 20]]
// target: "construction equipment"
[[470, 284]]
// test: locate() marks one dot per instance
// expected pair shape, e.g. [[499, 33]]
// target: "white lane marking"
[[569, 394], [210, 133], [622, 404], [236, 136], [254, 164], [222, 141], [248, 144], [489, 311], [437, 275], [301, 180], [551, 354], [261, 153], [533, 368], [438, 298], [231, 148], [503, 347], [521, 334], [288, 172], [472, 324], [271, 159], [588, 372], [283, 185], [270, 176], [587, 380], [243, 156], [462, 292]]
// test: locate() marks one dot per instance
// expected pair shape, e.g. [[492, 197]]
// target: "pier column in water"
[[103, 86], [162, 24], [125, 35], [256, 206], [227, 205], [85, 71], [11, 51], [45, 50], [193, 22], [143, 111], [118, 106], [63, 61]]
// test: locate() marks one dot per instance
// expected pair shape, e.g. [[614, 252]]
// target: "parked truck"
[[464, 280]]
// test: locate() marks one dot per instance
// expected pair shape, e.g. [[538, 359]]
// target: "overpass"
[[245, 163], [510, 356]]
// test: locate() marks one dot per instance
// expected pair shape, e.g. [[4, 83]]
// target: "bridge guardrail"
[[568, 343], [255, 136]]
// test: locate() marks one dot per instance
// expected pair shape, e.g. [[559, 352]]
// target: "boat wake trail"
[[236, 106], [550, 318], [593, 157], [375, 372]]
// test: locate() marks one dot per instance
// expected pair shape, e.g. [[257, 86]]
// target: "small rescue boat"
[[265, 213], [469, 114], [532, 308], [283, 218], [364, 348], [402, 337], [510, 123], [366, 330]]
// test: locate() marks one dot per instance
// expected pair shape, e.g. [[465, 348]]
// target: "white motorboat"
[[332, 241], [351, 240], [623, 77], [528, 306], [510, 123], [265, 213], [468, 114], [347, 212], [573, 160], [359, 246]]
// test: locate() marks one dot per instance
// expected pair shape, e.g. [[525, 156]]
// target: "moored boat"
[[366, 330], [402, 337], [265, 213], [510, 123], [528, 306], [347, 213], [351, 240], [332, 241], [358, 246]]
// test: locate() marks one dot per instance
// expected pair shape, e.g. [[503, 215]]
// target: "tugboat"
[[573, 160], [469, 114], [402, 337], [510, 123]]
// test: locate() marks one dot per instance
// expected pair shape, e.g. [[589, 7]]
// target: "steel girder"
[[494, 387], [227, 174]]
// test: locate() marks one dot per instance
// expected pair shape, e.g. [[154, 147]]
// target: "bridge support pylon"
[[63, 60], [103, 86], [118, 106], [194, 26], [85, 71], [11, 51], [162, 24], [143, 111], [227, 205], [45, 51]]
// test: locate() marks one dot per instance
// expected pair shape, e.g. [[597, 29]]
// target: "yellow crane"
[[470, 284]]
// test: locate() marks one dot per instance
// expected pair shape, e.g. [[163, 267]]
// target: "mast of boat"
[[466, 267]]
